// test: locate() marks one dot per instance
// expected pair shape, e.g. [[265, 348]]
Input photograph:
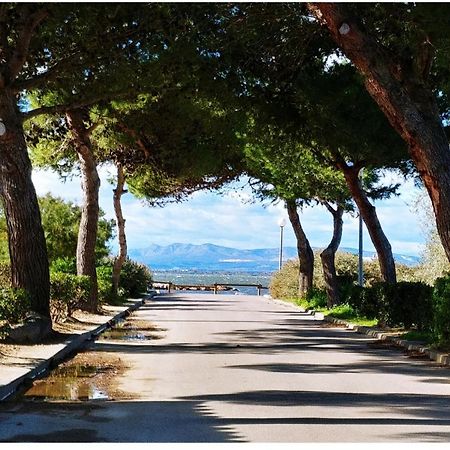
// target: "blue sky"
[[231, 220]]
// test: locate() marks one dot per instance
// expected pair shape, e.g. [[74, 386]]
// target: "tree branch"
[[20, 53], [49, 75], [61, 109]]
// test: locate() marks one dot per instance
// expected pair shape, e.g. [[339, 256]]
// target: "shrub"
[[316, 298], [404, 304], [5, 274], [67, 293], [135, 278], [364, 301], [441, 310], [14, 304], [284, 283], [104, 281], [65, 265], [414, 306]]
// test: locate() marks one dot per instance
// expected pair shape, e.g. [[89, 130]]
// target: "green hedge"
[[405, 304], [441, 317]]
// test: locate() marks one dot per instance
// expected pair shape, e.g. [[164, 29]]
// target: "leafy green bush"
[[316, 298], [413, 305], [65, 265], [364, 301], [284, 283], [5, 274], [404, 304], [441, 310], [104, 281], [14, 304], [67, 293], [135, 278]]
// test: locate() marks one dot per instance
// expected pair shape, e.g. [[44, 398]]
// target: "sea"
[[231, 279]]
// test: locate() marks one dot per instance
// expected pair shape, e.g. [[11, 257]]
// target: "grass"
[[420, 336], [342, 312], [346, 312]]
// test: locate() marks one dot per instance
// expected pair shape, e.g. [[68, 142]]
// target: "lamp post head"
[[282, 222]]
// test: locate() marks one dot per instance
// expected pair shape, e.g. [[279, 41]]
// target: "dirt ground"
[[78, 324]]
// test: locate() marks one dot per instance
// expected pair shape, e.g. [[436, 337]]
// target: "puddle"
[[86, 377], [90, 375], [132, 331]]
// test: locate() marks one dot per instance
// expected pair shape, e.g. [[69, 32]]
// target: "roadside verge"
[[382, 335], [19, 374]]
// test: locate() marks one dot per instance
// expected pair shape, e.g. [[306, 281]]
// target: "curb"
[[68, 351], [434, 355]]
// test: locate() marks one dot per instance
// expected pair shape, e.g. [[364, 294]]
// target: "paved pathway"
[[247, 369]]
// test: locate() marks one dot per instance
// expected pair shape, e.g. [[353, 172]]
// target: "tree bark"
[[406, 99], [304, 250], [369, 214], [118, 263], [328, 257], [26, 240], [87, 234]]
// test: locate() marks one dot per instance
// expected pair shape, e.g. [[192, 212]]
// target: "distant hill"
[[210, 257]]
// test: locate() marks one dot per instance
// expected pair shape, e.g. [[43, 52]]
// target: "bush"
[[14, 304], [104, 281], [5, 274], [135, 278], [67, 293], [284, 283], [64, 265], [404, 304], [316, 298], [441, 310]]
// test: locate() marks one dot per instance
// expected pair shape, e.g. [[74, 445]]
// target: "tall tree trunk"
[[87, 234], [26, 240], [118, 263], [304, 250], [369, 215], [328, 257], [407, 100]]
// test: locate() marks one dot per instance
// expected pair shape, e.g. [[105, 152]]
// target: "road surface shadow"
[[422, 409], [107, 421]]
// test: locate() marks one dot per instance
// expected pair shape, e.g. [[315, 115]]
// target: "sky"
[[231, 219]]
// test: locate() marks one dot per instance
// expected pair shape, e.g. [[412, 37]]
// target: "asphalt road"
[[247, 369]]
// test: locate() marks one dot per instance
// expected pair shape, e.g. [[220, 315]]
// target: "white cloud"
[[226, 220]]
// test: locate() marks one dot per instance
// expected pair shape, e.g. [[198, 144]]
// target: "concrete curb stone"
[[71, 347], [434, 355]]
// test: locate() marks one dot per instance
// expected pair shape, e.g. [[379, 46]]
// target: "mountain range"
[[210, 257]]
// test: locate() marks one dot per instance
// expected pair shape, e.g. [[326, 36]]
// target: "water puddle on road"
[[132, 331], [88, 376], [91, 374]]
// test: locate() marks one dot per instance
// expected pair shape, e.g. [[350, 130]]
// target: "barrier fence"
[[216, 287]]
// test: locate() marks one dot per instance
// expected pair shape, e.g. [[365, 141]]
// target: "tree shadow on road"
[[106, 421]]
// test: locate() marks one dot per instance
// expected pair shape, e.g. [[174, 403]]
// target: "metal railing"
[[216, 287]]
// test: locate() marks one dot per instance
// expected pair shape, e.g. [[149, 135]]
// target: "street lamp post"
[[281, 223], [360, 246]]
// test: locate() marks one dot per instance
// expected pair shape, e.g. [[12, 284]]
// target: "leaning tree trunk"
[[305, 253], [87, 234], [406, 99], [118, 263], [26, 240], [328, 257], [369, 215]]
